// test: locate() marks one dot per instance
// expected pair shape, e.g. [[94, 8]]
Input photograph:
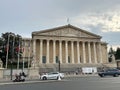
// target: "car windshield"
[[52, 73], [112, 70]]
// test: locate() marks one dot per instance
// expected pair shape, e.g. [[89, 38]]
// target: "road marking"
[[10, 83]]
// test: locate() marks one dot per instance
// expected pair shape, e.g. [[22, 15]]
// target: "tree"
[[111, 51], [117, 54], [10, 47], [111, 54]]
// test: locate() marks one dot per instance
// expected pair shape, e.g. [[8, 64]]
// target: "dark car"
[[109, 72]]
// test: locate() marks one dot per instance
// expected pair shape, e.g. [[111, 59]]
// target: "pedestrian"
[[16, 76], [23, 74]]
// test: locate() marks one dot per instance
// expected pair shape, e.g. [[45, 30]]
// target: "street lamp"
[[7, 51], [8, 46], [59, 65], [18, 62]]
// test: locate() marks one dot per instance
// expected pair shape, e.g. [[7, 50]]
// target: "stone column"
[[84, 55], [54, 52], [41, 49], [78, 52], [72, 51], [94, 48], [60, 51], [34, 46], [47, 51], [100, 52], [66, 50], [34, 53], [89, 52]]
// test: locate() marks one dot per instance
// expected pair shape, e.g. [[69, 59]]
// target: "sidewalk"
[[80, 75], [8, 79], [3, 80]]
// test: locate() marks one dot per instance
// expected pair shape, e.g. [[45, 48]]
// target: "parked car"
[[52, 75], [109, 72]]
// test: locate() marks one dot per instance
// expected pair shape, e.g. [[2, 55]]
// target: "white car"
[[52, 75]]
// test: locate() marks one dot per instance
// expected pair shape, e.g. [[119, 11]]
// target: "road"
[[71, 83]]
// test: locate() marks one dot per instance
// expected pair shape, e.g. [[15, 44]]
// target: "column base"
[[33, 73], [1, 72]]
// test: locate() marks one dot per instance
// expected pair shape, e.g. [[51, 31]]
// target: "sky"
[[101, 17]]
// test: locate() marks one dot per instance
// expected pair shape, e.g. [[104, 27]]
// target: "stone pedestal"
[[33, 73], [1, 72], [1, 69], [1, 64], [111, 65]]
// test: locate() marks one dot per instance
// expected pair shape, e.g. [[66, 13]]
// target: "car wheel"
[[44, 78], [115, 75], [102, 75]]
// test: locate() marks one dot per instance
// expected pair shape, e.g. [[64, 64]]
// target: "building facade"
[[70, 45]]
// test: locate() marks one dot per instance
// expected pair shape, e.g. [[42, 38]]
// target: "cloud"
[[98, 16], [105, 21]]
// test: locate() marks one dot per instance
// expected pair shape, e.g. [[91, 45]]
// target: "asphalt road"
[[71, 83]]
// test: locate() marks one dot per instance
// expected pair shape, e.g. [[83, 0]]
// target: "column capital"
[[78, 41], [34, 39], [66, 40], [72, 41], [60, 40], [54, 40], [83, 41], [41, 39], [94, 42], [47, 40], [88, 41], [98, 42]]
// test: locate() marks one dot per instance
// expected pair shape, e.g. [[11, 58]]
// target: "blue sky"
[[101, 17]]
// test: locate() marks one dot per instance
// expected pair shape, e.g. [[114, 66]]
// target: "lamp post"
[[18, 62], [59, 65], [13, 42], [11, 70], [7, 51], [10, 46]]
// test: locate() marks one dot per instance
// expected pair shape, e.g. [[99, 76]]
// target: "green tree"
[[10, 47], [111, 51], [117, 54], [110, 54]]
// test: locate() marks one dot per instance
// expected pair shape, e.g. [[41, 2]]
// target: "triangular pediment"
[[67, 31]]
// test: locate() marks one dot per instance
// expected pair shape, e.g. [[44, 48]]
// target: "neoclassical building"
[[70, 45]]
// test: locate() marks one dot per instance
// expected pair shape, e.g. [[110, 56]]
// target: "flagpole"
[[29, 53], [23, 57], [7, 51], [18, 55], [13, 48]]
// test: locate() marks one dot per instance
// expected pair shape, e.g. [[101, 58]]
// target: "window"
[[57, 59], [43, 59], [68, 59]]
